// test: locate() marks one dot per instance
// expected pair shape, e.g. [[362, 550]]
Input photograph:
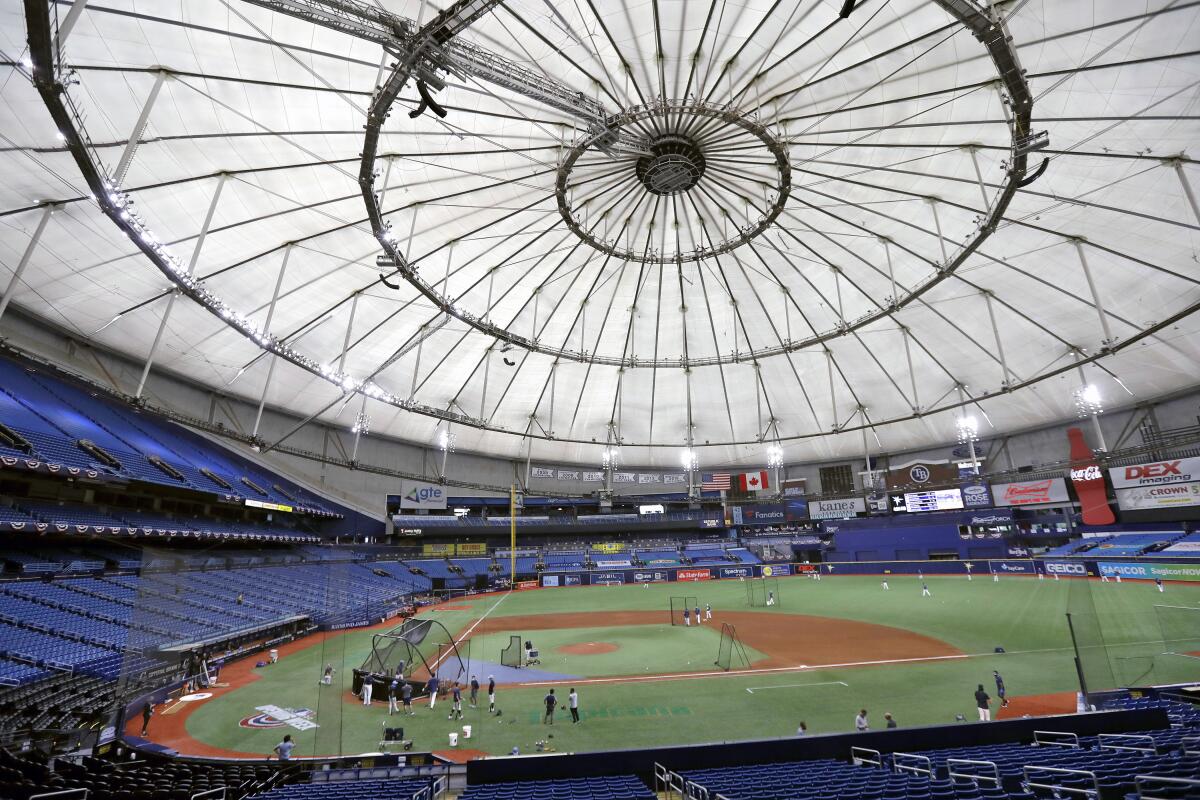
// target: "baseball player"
[[697, 610], [551, 701], [491, 694], [884, 584], [925, 590], [474, 690], [406, 697], [327, 677], [687, 618], [456, 701], [393, 695], [1158, 583], [432, 686], [708, 611], [770, 598], [367, 685], [1000, 690]]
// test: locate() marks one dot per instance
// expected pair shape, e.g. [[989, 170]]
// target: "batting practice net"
[[420, 648], [511, 656], [730, 652], [681, 604], [1121, 642], [758, 590]]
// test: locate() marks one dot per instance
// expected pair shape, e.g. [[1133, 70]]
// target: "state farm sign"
[[1179, 470], [1030, 493]]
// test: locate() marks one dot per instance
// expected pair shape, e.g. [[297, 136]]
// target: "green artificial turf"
[[1024, 616]]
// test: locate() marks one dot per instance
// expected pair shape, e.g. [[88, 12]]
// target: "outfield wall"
[[1127, 568]]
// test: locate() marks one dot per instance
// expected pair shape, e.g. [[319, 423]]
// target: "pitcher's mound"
[[587, 648]]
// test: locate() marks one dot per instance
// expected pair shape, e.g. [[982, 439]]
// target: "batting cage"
[[1119, 642], [418, 649], [730, 652], [681, 604], [761, 590], [510, 656]]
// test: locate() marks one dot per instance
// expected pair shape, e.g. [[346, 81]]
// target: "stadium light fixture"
[[1088, 401], [445, 440], [774, 456], [362, 424], [689, 459], [967, 428], [611, 457]]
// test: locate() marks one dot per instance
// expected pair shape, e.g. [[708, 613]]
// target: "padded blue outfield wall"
[[913, 537], [1146, 569]]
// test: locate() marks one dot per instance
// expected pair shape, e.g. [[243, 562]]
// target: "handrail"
[[62, 794], [694, 791], [210, 794], [1093, 792], [1187, 742], [1106, 738], [1141, 792], [1065, 740], [860, 760], [913, 768], [952, 762]]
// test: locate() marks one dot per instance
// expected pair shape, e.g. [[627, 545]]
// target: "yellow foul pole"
[[512, 535]]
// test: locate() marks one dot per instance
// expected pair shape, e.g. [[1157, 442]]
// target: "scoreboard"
[[932, 500]]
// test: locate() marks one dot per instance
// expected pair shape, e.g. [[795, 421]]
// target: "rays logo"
[[276, 717]]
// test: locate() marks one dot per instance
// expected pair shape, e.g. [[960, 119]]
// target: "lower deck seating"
[[399, 789], [622, 787]]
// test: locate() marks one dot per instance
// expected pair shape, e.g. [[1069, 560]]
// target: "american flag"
[[714, 482]]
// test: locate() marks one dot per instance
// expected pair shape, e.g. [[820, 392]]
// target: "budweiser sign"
[[1156, 473], [1031, 493]]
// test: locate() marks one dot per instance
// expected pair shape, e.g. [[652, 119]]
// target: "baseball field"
[[824, 650]]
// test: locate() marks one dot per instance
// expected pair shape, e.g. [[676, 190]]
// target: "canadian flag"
[[753, 481]]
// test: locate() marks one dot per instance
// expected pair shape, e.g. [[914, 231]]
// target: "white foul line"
[[437, 662], [751, 690]]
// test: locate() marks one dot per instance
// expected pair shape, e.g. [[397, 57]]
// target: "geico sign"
[[1065, 569], [1088, 473]]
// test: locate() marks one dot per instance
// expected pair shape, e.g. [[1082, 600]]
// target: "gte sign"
[[1180, 470]]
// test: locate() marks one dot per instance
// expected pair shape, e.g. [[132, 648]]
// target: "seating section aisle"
[[1007, 770], [623, 787], [400, 789]]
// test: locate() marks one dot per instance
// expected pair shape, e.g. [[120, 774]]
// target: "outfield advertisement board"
[[599, 578], [1012, 567], [1148, 571], [735, 572], [693, 574], [776, 570], [837, 509], [651, 576], [1068, 569], [1156, 473], [550, 580]]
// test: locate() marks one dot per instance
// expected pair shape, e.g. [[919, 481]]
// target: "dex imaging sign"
[[414, 494], [1156, 473]]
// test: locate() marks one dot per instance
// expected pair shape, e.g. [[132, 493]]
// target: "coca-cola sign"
[[1089, 473], [1088, 481]]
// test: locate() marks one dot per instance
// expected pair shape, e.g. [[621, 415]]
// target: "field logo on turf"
[[276, 717]]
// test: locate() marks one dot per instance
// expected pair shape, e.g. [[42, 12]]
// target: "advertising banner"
[[415, 494], [649, 477], [527, 584], [472, 549], [593, 477], [985, 518], [760, 514], [624, 477], [437, 549], [568, 475], [602, 578], [1088, 481], [1156, 473], [1012, 567], [735, 572], [693, 574], [549, 580], [609, 547], [836, 509], [805, 569], [1068, 569], [1151, 497], [675, 477], [795, 509], [1050, 491], [776, 570], [1166, 572], [609, 563], [542, 472], [572, 580], [651, 576], [795, 487], [976, 495]]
